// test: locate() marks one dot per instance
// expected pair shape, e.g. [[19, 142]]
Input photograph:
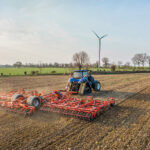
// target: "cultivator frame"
[[56, 102]]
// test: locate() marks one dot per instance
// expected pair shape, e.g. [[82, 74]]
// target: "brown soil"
[[125, 126]]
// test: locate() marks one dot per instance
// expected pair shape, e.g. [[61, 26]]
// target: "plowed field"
[[125, 126]]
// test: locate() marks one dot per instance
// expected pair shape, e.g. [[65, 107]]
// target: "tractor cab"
[[78, 74]]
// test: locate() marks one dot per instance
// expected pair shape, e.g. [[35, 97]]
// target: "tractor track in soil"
[[125, 126]]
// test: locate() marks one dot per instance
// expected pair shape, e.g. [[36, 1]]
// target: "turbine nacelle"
[[99, 36]]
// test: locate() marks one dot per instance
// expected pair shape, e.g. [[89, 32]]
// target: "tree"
[[17, 64], [56, 64], [127, 64], [113, 67], [143, 59], [105, 60], [119, 63], [136, 59], [80, 59], [139, 59], [70, 65], [148, 60]]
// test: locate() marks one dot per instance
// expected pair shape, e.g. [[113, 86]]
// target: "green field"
[[20, 71], [42, 71]]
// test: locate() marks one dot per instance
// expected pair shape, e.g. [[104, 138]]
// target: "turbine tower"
[[99, 38]]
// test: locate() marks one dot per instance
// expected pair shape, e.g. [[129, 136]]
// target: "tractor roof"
[[81, 70]]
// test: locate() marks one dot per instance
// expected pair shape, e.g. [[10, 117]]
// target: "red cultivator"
[[28, 102], [18, 102]]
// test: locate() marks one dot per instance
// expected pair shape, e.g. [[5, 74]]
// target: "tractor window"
[[77, 75], [85, 73]]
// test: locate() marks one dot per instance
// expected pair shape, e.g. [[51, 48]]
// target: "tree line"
[[141, 59], [43, 65], [81, 59]]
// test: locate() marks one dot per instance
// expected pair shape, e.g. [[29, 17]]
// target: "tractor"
[[82, 82]]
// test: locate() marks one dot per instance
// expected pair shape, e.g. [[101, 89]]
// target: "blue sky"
[[53, 30]]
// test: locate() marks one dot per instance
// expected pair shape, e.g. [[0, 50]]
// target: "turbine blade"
[[103, 36], [96, 34]]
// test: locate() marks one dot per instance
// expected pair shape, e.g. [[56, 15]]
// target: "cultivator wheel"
[[33, 101], [113, 104], [15, 97]]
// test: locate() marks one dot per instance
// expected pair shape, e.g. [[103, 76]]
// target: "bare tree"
[[119, 63], [96, 64], [134, 61], [80, 59], [17, 64], [139, 59], [70, 65], [148, 60], [56, 64], [105, 60], [127, 64], [143, 58]]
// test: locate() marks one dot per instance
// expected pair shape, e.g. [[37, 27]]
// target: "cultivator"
[[17, 102], [28, 102]]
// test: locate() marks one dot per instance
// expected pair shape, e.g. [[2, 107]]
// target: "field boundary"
[[94, 73]]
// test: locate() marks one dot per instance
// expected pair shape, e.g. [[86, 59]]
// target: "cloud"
[[31, 43]]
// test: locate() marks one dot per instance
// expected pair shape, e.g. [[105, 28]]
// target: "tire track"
[[50, 137], [62, 138]]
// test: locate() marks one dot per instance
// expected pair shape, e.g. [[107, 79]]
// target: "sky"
[[51, 31]]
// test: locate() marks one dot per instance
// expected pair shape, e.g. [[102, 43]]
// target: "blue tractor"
[[82, 82]]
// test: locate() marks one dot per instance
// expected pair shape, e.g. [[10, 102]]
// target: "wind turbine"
[[99, 38]]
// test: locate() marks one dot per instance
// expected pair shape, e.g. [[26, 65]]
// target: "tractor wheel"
[[33, 101], [112, 105], [69, 86], [97, 86], [15, 97], [82, 89]]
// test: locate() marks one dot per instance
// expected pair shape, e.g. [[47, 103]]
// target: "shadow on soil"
[[115, 94], [120, 116]]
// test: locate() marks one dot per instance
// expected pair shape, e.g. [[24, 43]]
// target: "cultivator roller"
[[28, 102]]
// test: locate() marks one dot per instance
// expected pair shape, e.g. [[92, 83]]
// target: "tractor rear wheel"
[[97, 86], [33, 101], [15, 97]]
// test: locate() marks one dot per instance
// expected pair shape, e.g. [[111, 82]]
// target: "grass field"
[[20, 71]]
